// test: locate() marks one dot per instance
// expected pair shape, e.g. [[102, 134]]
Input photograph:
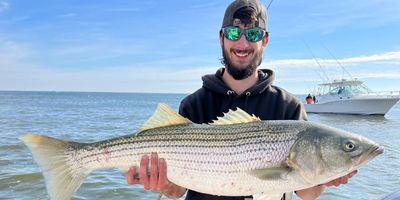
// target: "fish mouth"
[[372, 152], [375, 151]]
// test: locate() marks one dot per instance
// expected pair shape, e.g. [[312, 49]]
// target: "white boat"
[[351, 96]]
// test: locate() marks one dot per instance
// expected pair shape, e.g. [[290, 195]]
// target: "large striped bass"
[[236, 155]]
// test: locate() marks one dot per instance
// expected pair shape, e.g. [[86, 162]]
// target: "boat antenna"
[[325, 78], [337, 61]]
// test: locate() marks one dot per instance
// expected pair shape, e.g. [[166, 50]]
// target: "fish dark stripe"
[[183, 144], [198, 137], [193, 156]]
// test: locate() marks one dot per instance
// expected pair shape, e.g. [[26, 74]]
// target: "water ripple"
[[91, 117]]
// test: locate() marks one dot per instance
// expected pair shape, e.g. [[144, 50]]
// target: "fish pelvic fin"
[[271, 173], [235, 117], [49, 154], [164, 116]]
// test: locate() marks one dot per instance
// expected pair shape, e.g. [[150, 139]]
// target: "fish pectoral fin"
[[277, 196], [164, 116], [271, 173]]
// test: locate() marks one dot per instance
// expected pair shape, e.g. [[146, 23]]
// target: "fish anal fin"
[[276, 196], [164, 116], [235, 117]]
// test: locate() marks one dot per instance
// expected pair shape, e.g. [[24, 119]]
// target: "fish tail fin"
[[62, 179]]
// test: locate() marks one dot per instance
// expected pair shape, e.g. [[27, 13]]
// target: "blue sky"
[[166, 46]]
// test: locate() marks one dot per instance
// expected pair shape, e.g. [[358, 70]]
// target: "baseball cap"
[[260, 9]]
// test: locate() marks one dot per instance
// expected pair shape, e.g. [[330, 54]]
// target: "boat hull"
[[360, 106]]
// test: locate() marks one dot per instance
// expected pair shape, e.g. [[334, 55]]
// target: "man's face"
[[242, 57]]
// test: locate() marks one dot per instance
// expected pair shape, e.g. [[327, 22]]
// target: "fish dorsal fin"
[[235, 117], [164, 116]]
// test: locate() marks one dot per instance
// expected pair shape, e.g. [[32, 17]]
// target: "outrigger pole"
[[319, 64], [337, 61], [269, 4]]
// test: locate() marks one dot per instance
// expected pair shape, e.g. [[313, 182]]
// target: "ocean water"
[[89, 117]]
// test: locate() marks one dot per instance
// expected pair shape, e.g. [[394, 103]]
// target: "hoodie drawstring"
[[229, 92], [247, 98], [231, 95]]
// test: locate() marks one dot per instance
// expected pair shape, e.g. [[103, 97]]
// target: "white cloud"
[[330, 16], [4, 6], [123, 10], [69, 15], [387, 57], [14, 20], [11, 52], [77, 49], [301, 75], [392, 75], [211, 4], [18, 73]]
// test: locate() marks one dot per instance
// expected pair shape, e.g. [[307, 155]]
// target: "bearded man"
[[239, 84]]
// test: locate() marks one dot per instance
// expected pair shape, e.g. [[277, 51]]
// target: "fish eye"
[[349, 146]]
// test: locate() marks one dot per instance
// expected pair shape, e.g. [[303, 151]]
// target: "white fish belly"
[[216, 163]]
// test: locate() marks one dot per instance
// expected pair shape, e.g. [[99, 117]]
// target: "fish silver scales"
[[237, 155], [196, 147]]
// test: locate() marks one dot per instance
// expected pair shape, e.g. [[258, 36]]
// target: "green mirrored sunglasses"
[[252, 34]]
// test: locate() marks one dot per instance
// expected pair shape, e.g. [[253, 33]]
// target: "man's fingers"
[[130, 176], [144, 178], [154, 171], [343, 180], [162, 176], [331, 183], [335, 182], [155, 179], [352, 173]]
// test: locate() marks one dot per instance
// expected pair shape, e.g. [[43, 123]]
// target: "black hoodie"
[[264, 100]]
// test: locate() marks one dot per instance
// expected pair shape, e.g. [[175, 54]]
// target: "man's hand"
[[314, 192], [156, 180], [341, 180]]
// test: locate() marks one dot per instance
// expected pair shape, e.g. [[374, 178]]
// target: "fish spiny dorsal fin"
[[164, 116], [235, 117]]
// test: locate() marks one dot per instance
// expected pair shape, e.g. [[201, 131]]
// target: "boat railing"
[[386, 93], [377, 93]]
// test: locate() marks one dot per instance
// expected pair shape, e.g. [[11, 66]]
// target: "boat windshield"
[[345, 87], [349, 89]]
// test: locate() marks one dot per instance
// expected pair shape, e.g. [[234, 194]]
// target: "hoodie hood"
[[215, 83]]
